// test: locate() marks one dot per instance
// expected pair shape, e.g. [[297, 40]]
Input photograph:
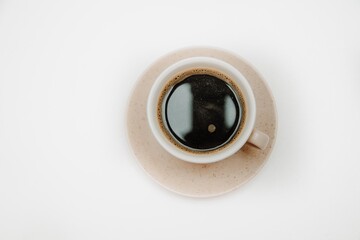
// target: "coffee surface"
[[202, 112]]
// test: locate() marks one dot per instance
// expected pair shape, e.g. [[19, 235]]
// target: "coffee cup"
[[203, 110]]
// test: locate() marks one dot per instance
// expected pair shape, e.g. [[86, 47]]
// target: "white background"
[[66, 72]]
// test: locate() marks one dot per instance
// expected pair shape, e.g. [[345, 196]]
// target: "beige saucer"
[[199, 180]]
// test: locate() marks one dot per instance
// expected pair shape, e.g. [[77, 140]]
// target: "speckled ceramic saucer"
[[199, 180]]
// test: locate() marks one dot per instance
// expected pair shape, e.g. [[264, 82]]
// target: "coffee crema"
[[201, 110]]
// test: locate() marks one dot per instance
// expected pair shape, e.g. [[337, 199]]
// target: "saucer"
[[191, 179]]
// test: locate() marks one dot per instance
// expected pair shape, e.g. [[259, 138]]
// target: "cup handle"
[[258, 139]]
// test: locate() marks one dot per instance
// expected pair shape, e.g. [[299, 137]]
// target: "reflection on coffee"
[[201, 110]]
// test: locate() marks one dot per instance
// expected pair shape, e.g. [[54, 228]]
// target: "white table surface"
[[66, 72]]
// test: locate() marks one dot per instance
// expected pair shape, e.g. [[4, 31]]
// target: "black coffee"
[[201, 111]]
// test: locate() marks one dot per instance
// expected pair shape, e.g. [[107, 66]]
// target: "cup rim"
[[221, 66]]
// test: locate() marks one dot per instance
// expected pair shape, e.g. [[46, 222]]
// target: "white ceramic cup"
[[248, 133]]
